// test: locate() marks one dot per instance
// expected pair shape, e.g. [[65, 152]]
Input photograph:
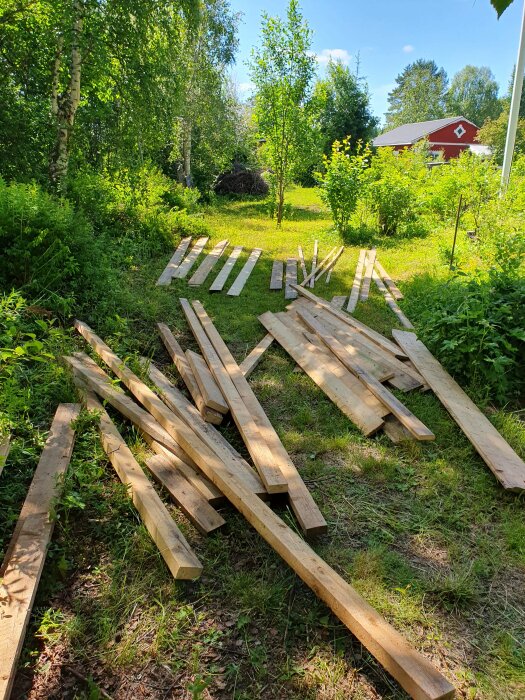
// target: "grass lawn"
[[423, 530]]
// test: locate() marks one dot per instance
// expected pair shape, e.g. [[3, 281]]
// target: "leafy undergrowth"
[[423, 531]]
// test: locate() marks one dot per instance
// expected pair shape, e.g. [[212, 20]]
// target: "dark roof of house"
[[410, 133]]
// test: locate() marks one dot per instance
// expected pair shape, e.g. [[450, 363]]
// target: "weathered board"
[[208, 264], [291, 278], [330, 266], [5, 445], [365, 287], [314, 266], [208, 386], [219, 282], [338, 301], [188, 262], [356, 285], [251, 361], [243, 275], [315, 274], [302, 262], [396, 293], [403, 320], [174, 263], [276, 280]]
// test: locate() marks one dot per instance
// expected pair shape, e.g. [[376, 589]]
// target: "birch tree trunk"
[[186, 152]]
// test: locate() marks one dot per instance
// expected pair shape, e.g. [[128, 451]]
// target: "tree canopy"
[[419, 94], [473, 94]]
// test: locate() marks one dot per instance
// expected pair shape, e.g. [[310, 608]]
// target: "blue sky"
[[389, 34]]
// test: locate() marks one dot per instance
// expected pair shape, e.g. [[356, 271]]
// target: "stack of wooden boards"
[[309, 279], [180, 266]]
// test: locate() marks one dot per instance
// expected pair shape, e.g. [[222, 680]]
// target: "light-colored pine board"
[[331, 264], [219, 282], [405, 417], [196, 508], [181, 363], [174, 263], [356, 285], [190, 259], [243, 275], [412, 670], [369, 267], [315, 274], [314, 266], [276, 280], [264, 462], [208, 386], [251, 361], [5, 445], [397, 432], [499, 456], [302, 262], [396, 293], [27, 550], [338, 301], [207, 265], [301, 501], [291, 278], [391, 303]]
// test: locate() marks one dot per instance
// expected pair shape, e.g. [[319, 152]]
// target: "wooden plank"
[[163, 530], [499, 456], [27, 550], [173, 264], [338, 301], [403, 320], [262, 457], [291, 278], [5, 446], [405, 417], [276, 280], [188, 262], [330, 266], [208, 264], [314, 266], [251, 361], [302, 262], [315, 274], [365, 287], [396, 293], [208, 386], [181, 362], [412, 670], [301, 501], [243, 275], [219, 282], [192, 504], [395, 431], [356, 285]]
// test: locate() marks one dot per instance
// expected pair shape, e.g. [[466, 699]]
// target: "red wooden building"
[[449, 136]]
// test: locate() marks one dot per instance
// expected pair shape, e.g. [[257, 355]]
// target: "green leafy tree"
[[282, 69], [500, 5], [473, 94], [493, 133], [419, 94]]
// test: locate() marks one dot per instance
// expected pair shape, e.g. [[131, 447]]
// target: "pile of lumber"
[[309, 279]]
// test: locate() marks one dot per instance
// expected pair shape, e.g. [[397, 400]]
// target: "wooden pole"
[[458, 216]]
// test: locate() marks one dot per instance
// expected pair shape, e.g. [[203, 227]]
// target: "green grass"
[[423, 531]]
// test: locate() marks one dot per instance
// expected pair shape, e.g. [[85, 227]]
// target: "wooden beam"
[[331, 266], [338, 301], [499, 456], [396, 432], [303, 505], [302, 262], [243, 275], [251, 361], [291, 278], [27, 550], [403, 320], [314, 266], [173, 264], [365, 287], [356, 285], [219, 282], [189, 260], [315, 274], [255, 442], [208, 264], [276, 280], [396, 293], [5, 446], [211, 393], [412, 670]]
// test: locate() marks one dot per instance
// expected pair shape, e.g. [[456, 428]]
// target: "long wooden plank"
[[396, 293], [251, 361], [5, 446], [301, 501], [405, 417], [190, 259], [255, 442], [499, 456], [219, 282], [171, 267], [28, 547], [181, 363], [315, 274], [208, 386], [403, 320], [243, 275], [314, 266], [338, 301], [412, 670], [276, 280], [356, 285], [369, 268], [291, 278], [207, 265], [302, 262], [330, 266]]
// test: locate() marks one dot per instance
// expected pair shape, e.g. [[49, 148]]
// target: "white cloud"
[[245, 87], [408, 48], [327, 55]]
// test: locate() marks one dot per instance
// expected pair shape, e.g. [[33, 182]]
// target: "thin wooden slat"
[[499, 456], [405, 417], [338, 301], [255, 442], [27, 550], [413, 671], [173, 264], [243, 275], [303, 505], [315, 274], [276, 280], [365, 287], [396, 293], [181, 363], [314, 266], [291, 278], [403, 320], [5, 446], [302, 262], [207, 265], [330, 266], [219, 282], [251, 361], [208, 386], [188, 262], [356, 285]]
